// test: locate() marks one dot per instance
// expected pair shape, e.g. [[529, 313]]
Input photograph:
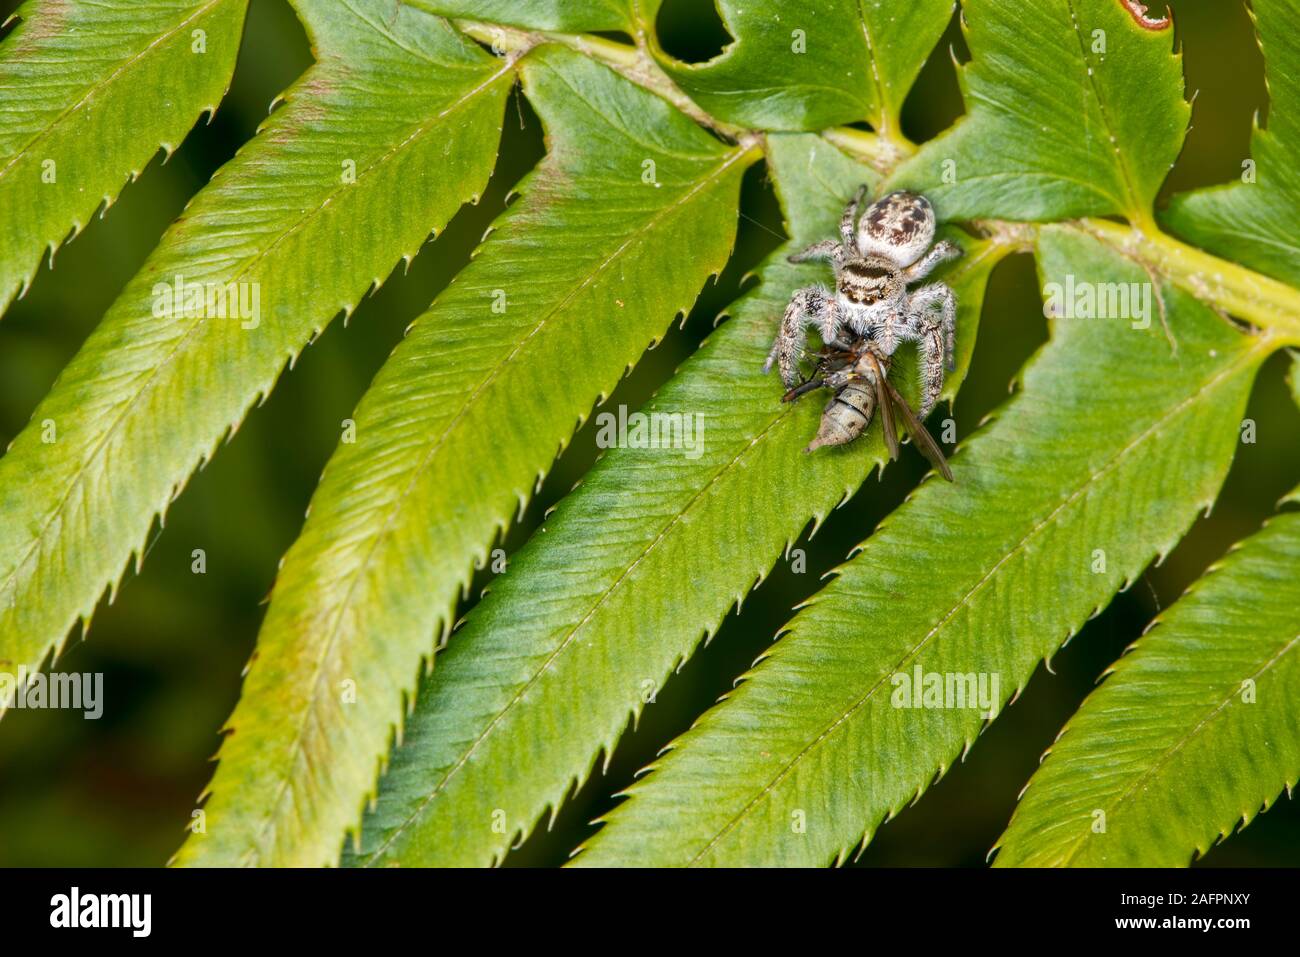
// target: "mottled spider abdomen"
[[898, 227]]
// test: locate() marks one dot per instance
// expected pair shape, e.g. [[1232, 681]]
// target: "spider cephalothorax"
[[875, 261]]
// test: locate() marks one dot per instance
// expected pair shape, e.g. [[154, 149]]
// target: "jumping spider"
[[875, 261]]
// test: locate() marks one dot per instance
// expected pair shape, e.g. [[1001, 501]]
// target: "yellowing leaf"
[[292, 231], [575, 281], [90, 90]]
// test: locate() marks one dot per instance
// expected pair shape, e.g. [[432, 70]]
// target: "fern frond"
[[1096, 468], [89, 91], [1194, 731], [292, 231], [464, 419], [634, 566]]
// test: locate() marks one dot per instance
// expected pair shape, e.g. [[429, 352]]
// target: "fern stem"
[[630, 62], [1264, 302], [879, 152], [1258, 299]]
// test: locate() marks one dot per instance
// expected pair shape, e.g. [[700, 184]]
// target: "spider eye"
[[860, 293]]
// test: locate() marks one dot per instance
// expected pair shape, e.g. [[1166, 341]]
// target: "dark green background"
[[119, 791]]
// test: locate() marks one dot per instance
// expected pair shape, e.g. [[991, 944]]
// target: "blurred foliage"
[[120, 790]]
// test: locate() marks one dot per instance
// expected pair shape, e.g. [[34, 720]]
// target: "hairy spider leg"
[[939, 253], [810, 306]]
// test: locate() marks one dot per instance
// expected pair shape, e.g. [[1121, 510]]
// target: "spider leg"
[[810, 306], [940, 252], [830, 332], [938, 298], [932, 370], [848, 222], [929, 347], [827, 249], [931, 323]]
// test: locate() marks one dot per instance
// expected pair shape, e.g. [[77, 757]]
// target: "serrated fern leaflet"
[[499, 372], [1193, 732], [129, 79], [980, 579], [545, 675], [1122, 432], [292, 231]]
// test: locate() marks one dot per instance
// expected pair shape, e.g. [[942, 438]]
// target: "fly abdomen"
[[846, 415]]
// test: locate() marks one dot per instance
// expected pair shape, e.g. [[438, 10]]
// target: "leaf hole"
[[934, 102], [691, 31]]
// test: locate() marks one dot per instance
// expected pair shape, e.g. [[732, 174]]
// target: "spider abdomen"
[[899, 226]]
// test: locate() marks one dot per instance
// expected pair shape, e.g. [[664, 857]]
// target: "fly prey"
[[859, 378]]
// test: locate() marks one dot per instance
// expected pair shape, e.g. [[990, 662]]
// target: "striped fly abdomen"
[[850, 409]]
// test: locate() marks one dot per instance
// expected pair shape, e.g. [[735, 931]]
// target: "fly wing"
[[883, 404], [920, 434]]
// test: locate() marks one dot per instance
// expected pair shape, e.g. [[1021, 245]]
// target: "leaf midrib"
[[95, 88], [183, 342], [883, 121], [1137, 212], [396, 507], [1261, 345]]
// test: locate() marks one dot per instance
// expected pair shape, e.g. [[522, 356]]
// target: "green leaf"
[[1255, 222], [456, 430], [635, 566], [91, 89], [567, 15], [1194, 730], [793, 67], [1096, 468], [1073, 109], [379, 143]]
